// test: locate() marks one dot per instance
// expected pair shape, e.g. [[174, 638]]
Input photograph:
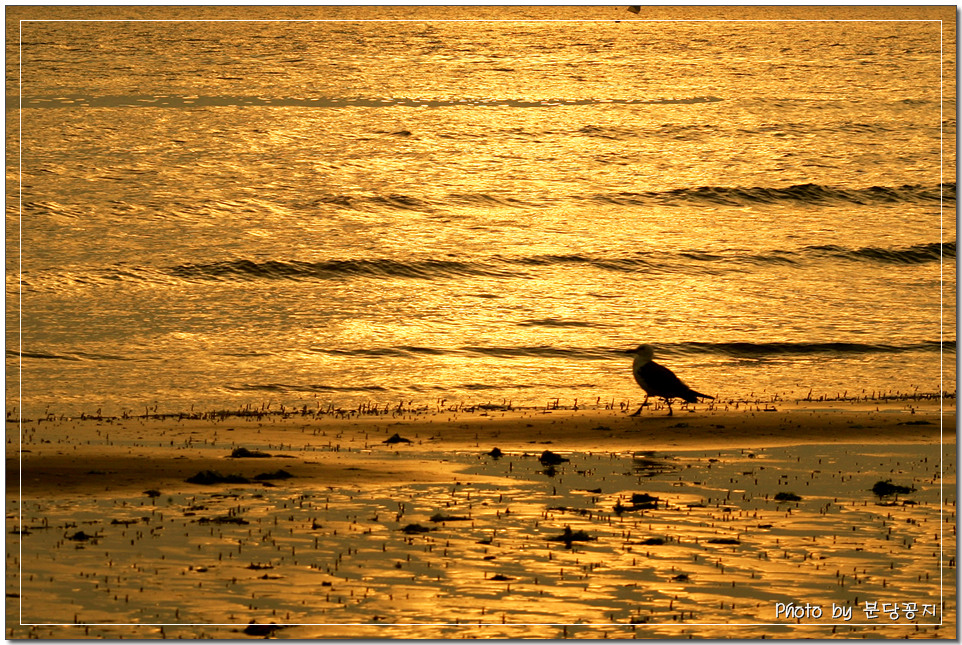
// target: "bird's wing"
[[662, 382]]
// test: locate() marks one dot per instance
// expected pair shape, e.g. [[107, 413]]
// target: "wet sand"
[[342, 533]]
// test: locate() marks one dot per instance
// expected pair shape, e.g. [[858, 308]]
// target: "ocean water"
[[343, 205]]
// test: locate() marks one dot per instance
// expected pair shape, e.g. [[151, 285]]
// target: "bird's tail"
[[699, 395]]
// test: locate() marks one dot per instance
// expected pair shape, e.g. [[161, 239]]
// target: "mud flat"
[[811, 520]]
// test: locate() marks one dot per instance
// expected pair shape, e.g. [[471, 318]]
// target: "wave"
[[558, 322], [684, 262], [538, 351], [401, 202], [70, 356], [400, 351], [737, 350], [812, 194], [783, 348], [392, 201], [692, 261], [333, 269], [288, 388], [808, 194], [706, 131], [755, 350], [294, 388], [172, 101], [917, 254], [11, 353]]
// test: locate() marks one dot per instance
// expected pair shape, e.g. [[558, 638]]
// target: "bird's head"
[[645, 351]]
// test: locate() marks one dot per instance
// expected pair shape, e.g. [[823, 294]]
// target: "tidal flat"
[[581, 524]]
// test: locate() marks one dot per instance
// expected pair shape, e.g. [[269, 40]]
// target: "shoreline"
[[93, 456]]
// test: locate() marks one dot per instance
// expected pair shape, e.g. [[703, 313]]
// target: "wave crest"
[[684, 262], [813, 194], [332, 269]]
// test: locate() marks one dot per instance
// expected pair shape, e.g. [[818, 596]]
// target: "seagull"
[[658, 380]]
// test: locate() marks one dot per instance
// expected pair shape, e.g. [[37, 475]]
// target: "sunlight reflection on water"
[[715, 547]]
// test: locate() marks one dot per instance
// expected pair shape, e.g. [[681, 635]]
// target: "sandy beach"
[[100, 455], [748, 522]]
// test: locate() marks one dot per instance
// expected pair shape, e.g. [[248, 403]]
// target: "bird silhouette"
[[658, 380]]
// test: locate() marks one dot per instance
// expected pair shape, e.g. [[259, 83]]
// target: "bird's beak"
[[631, 351]]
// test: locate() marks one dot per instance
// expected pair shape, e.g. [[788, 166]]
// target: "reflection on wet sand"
[[618, 544]]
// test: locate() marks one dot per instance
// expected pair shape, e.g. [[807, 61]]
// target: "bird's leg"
[[638, 411], [670, 412]]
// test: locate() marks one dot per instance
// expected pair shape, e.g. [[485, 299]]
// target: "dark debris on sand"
[[787, 497], [244, 453], [887, 488], [639, 502], [277, 474], [254, 629], [569, 537], [441, 517], [723, 541], [224, 519], [210, 477], [549, 458]]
